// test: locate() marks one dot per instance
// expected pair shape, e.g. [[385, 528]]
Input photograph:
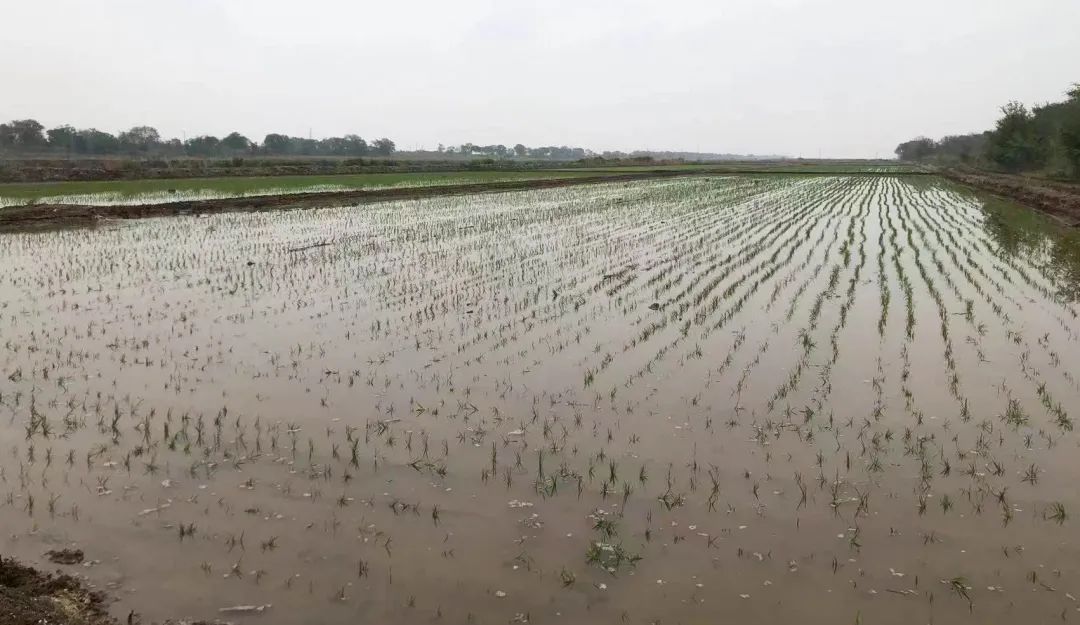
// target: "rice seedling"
[[501, 364]]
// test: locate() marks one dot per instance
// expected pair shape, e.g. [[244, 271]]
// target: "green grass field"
[[129, 190]]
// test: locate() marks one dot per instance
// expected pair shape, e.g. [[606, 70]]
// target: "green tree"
[[22, 134], [236, 142], [1070, 130], [276, 144], [354, 145], [963, 148], [915, 150], [1014, 144], [63, 138], [94, 141], [205, 145], [140, 139], [383, 147]]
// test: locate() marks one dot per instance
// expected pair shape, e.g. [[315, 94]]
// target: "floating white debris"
[[245, 609], [153, 510], [500, 594]]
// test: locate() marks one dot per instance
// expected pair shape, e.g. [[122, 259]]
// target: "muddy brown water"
[[739, 399]]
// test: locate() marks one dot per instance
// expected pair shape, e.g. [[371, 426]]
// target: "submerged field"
[[154, 191], [785, 399], [781, 167]]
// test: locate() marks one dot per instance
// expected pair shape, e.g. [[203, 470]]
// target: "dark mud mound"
[[65, 556], [29, 597]]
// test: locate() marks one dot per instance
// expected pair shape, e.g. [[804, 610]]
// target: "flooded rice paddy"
[[754, 400], [164, 191], [123, 198]]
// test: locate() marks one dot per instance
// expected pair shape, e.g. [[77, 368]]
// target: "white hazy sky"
[[797, 77]]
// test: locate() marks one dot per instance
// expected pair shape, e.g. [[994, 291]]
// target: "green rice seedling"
[[1056, 512]]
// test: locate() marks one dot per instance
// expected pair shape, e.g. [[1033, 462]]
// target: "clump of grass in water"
[[1056, 512]]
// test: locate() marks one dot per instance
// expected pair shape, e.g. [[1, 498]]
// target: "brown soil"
[[29, 597], [65, 556], [1060, 200]]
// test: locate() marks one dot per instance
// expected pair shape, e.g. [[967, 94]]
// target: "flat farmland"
[[815, 399], [160, 191]]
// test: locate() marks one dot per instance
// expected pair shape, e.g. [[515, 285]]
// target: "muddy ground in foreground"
[[31, 597]]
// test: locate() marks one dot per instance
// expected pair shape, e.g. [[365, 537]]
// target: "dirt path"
[[1060, 200]]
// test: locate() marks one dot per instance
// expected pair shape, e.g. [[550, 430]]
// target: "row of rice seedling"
[[717, 397]]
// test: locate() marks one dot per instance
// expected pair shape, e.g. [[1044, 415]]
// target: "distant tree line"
[[28, 136], [565, 153], [1043, 138], [667, 155], [551, 152]]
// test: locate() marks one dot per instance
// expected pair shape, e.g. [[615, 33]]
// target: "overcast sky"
[[795, 77]]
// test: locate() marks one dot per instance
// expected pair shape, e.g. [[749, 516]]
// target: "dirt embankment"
[[48, 216], [87, 169], [30, 597], [1061, 200]]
